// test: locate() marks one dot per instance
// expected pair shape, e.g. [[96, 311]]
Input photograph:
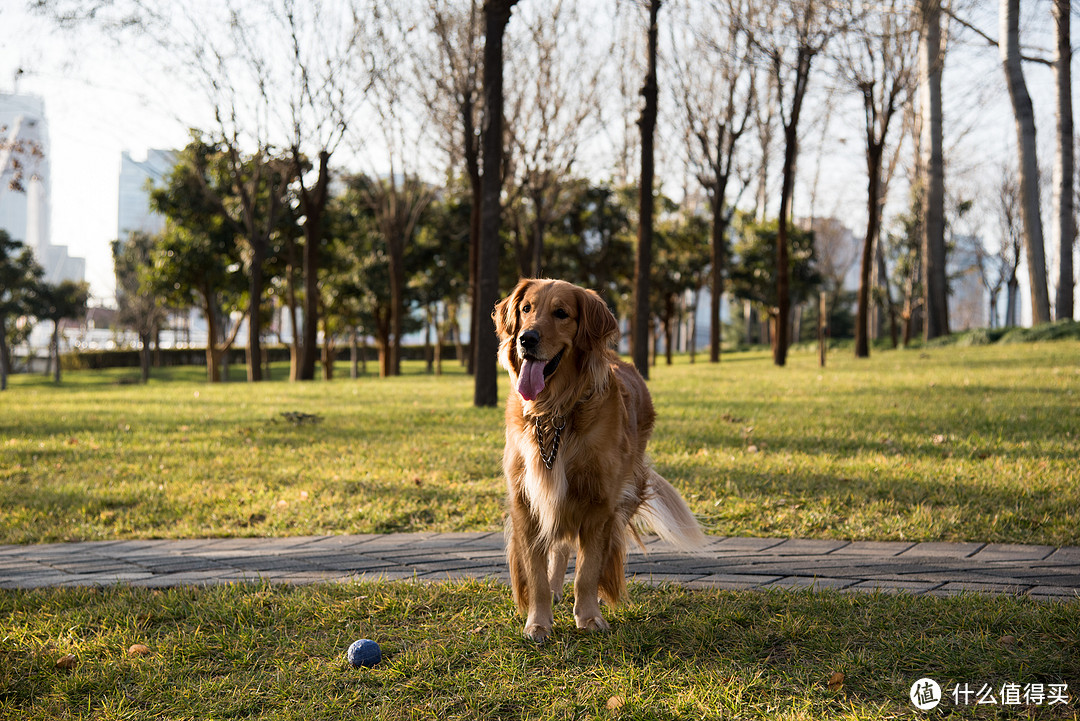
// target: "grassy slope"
[[454, 651], [942, 444]]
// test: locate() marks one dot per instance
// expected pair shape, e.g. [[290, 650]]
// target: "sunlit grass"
[[950, 443], [454, 651]]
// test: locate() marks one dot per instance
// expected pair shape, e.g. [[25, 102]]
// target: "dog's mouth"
[[533, 375]]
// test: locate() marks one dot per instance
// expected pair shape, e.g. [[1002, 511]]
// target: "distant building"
[[968, 297], [136, 179], [25, 212]]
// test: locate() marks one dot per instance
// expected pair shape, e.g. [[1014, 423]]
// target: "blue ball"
[[364, 652]]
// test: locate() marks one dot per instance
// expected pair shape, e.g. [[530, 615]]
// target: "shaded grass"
[[454, 651], [956, 443]]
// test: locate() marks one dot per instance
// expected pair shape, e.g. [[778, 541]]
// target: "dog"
[[577, 422]]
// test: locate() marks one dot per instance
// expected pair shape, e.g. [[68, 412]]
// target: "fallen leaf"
[[836, 681], [67, 662], [1007, 640], [615, 703], [138, 649]]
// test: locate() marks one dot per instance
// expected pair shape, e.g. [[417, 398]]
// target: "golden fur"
[[600, 481]]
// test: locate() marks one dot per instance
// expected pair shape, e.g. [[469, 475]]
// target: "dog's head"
[[551, 333]]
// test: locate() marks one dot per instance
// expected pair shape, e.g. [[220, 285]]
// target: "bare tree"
[[716, 92], [1064, 164], [932, 172], [496, 18], [397, 204], [879, 60], [792, 35], [643, 259], [1029, 165], [455, 105], [399, 200], [1012, 240], [326, 86], [549, 115], [276, 75]]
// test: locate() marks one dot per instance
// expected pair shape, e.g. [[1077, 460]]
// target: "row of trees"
[[378, 229], [24, 296], [296, 90]]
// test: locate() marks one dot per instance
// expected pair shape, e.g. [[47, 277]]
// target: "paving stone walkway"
[[1042, 572]]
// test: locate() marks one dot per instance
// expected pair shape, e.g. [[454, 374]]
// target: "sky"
[[99, 103], [96, 109]]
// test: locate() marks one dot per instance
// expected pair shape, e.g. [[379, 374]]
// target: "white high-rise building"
[[25, 212], [136, 178]]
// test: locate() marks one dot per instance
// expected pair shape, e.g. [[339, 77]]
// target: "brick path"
[[1042, 572]]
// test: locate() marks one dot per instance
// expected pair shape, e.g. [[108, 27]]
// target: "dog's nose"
[[529, 340]]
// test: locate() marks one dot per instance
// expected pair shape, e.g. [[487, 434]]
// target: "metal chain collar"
[[557, 425]]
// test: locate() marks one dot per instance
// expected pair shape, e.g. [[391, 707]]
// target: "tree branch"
[[991, 41]]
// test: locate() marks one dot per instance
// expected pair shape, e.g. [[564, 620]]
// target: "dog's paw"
[[537, 633], [592, 623]]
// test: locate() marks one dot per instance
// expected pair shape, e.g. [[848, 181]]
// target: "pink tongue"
[[531, 379]]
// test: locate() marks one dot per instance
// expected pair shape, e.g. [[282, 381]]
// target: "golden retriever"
[[577, 421]]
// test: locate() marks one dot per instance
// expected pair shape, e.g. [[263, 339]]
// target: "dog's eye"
[[526, 308], [561, 314]]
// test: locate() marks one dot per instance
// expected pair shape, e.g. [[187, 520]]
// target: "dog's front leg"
[[540, 619], [592, 554]]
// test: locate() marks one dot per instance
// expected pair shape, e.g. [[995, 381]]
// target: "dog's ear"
[[505, 314], [597, 327]]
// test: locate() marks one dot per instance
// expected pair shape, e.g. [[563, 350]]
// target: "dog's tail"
[[666, 514]]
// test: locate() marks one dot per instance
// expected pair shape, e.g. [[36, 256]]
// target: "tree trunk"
[[472, 164], [883, 280], [396, 247], [935, 288], [5, 357], [643, 260], [1012, 301], [255, 289], [56, 350], [213, 372], [692, 326], [440, 339], [354, 355], [1064, 166], [314, 205], [874, 152], [496, 17], [719, 225], [429, 350], [144, 356], [783, 262], [822, 327], [290, 300], [1029, 165], [669, 329], [538, 235]]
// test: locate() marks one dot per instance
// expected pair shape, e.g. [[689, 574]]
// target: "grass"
[[948, 443], [953, 443], [454, 651]]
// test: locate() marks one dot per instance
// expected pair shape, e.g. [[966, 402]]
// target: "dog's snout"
[[529, 340]]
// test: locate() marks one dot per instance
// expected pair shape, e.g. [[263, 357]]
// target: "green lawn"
[[947, 443], [453, 651]]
